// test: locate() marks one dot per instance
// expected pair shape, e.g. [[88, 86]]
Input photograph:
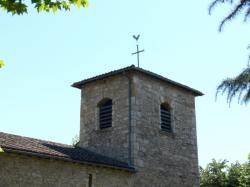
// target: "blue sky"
[[46, 53]]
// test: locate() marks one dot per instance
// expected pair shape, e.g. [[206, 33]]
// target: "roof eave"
[[133, 68], [40, 155], [79, 84]]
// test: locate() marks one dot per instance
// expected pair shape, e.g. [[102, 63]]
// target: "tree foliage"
[[213, 174], [239, 85], [220, 174], [75, 140], [20, 6], [241, 5]]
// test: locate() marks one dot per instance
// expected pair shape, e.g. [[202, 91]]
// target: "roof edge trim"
[[134, 68], [35, 154]]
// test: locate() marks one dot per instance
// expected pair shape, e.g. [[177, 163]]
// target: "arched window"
[[166, 117], [105, 113]]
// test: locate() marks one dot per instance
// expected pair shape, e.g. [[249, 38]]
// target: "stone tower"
[[144, 119]]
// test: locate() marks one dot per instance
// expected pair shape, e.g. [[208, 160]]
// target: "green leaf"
[[1, 63], [85, 3], [65, 5], [41, 7], [54, 8], [79, 3]]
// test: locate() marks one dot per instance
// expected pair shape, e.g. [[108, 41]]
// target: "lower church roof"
[[10, 143]]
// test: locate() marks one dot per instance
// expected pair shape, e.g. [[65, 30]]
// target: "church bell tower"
[[144, 119]]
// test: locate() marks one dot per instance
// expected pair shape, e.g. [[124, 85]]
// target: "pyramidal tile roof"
[[133, 68]]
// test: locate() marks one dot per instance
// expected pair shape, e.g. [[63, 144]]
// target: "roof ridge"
[[36, 139]]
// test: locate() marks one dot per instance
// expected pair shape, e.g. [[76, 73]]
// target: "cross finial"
[[138, 51]]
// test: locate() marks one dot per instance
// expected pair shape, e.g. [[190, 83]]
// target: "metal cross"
[[138, 51]]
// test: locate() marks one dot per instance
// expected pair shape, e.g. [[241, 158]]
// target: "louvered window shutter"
[[165, 118], [105, 114]]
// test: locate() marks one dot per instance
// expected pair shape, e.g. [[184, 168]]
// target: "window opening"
[[105, 114], [90, 180], [165, 118]]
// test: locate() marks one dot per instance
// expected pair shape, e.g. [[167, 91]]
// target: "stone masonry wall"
[[25, 171], [112, 141], [161, 158]]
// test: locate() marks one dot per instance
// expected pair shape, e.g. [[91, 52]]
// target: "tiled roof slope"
[[29, 146], [137, 69]]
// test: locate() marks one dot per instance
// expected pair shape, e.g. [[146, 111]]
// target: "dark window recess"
[[105, 114], [165, 118], [90, 180]]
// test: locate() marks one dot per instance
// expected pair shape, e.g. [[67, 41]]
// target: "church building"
[[137, 129]]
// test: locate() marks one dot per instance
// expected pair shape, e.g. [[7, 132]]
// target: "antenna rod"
[[138, 60]]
